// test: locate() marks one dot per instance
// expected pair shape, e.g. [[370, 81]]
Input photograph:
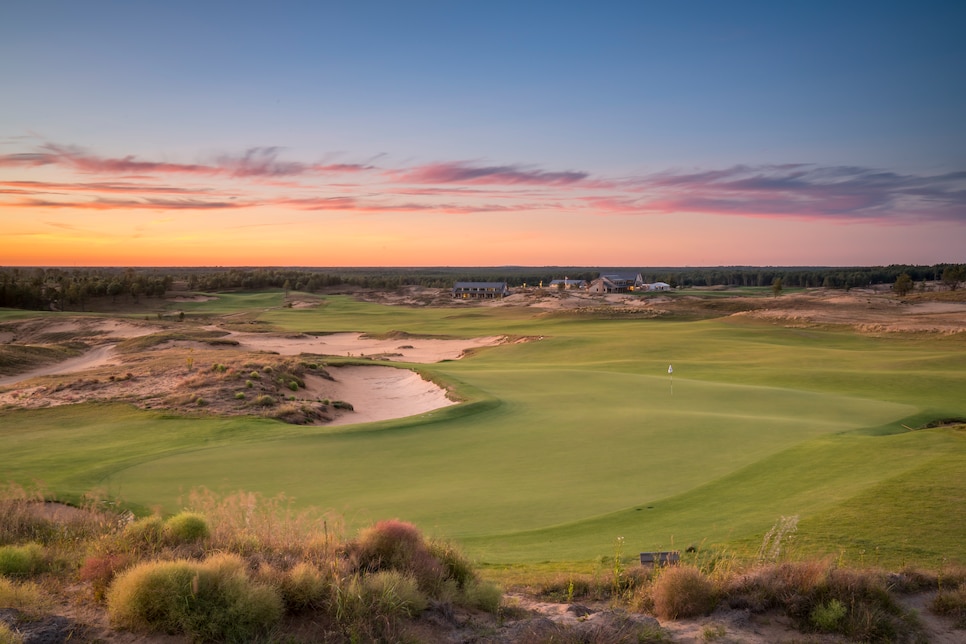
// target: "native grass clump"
[[236, 569], [274, 388], [818, 596]]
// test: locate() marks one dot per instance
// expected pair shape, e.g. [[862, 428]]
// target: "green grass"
[[231, 303], [576, 438]]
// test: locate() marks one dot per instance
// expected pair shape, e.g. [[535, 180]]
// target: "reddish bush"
[[397, 545], [100, 571]]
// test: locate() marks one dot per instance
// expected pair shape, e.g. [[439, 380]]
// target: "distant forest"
[[72, 288]]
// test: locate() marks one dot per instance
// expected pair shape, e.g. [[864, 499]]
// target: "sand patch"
[[865, 313], [192, 298], [377, 393], [422, 350], [79, 329]]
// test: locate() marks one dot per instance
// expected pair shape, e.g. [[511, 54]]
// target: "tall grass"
[[26, 597], [212, 600], [235, 568], [230, 569], [22, 561]]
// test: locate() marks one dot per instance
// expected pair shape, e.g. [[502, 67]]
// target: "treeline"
[[804, 277], [72, 289]]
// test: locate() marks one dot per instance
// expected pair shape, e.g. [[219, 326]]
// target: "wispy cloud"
[[132, 204], [254, 162], [261, 177], [38, 187], [806, 191], [463, 172]]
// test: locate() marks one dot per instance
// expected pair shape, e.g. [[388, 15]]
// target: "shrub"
[[22, 560], [145, 533], [303, 587], [454, 563], [294, 386], [249, 384], [828, 616], [397, 545], [264, 401], [255, 375], [186, 527], [681, 592], [212, 600], [100, 571], [393, 593], [239, 396], [341, 404]]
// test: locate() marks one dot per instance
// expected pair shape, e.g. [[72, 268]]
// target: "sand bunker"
[[192, 298], [422, 350], [377, 393]]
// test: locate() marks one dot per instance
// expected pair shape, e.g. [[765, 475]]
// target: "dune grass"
[[19, 358], [573, 438]]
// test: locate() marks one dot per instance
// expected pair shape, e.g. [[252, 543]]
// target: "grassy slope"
[[580, 440]]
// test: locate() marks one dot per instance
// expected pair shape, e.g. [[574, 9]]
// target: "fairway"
[[568, 440]]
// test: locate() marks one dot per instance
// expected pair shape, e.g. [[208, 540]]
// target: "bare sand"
[[406, 349], [377, 393]]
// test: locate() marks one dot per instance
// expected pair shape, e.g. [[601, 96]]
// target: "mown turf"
[[575, 437]]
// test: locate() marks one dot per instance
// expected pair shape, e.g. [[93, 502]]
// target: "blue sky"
[[737, 132]]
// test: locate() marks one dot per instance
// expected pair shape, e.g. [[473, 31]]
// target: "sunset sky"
[[458, 133]]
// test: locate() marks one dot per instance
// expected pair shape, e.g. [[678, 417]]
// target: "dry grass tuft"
[[682, 592], [26, 597], [214, 600], [952, 603]]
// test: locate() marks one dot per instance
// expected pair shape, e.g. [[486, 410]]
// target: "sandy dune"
[[422, 350], [92, 359], [375, 392]]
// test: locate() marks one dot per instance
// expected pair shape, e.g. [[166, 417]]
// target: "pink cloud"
[[34, 187], [260, 177], [462, 172], [132, 204], [254, 162], [805, 191]]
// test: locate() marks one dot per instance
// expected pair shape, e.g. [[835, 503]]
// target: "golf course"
[[571, 435]]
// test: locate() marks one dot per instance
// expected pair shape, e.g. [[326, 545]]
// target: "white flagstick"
[[670, 373]]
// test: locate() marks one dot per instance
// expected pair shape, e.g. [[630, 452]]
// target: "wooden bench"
[[660, 558]]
